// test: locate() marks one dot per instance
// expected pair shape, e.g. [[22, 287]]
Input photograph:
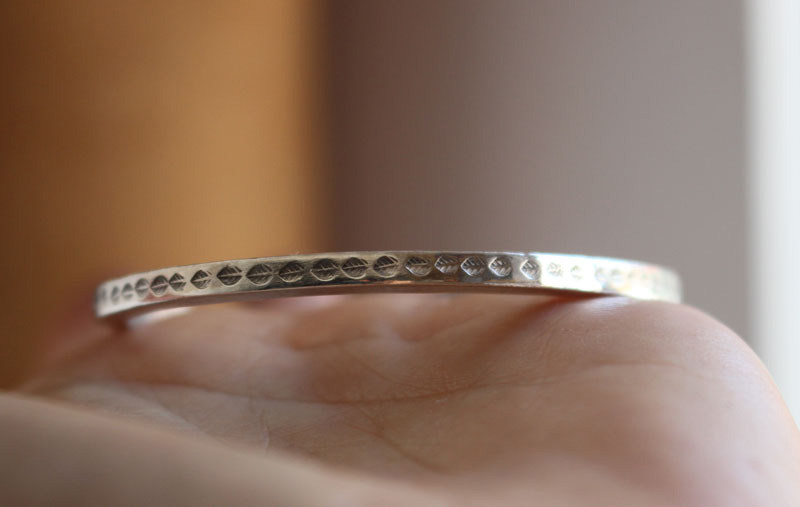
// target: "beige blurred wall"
[[611, 127], [136, 135]]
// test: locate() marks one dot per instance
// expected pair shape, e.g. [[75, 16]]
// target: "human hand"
[[403, 400]]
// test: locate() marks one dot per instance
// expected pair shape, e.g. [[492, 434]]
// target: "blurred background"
[[136, 136]]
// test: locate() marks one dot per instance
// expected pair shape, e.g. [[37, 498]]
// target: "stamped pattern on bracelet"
[[201, 279], [551, 271]]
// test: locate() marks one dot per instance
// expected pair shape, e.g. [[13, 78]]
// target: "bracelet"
[[384, 271]]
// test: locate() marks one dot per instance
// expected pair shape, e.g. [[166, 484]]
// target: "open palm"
[[406, 400]]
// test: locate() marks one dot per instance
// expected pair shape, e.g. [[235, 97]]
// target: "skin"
[[403, 400]]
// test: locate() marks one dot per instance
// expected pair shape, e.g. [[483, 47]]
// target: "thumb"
[[49, 450]]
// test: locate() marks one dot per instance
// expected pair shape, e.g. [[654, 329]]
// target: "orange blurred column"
[[139, 136]]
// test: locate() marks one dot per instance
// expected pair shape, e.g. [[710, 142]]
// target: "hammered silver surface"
[[383, 271]]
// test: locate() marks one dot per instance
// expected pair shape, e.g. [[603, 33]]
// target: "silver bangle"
[[389, 271]]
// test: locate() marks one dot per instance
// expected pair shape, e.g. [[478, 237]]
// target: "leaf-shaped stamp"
[[501, 266], [324, 270], [142, 287], [291, 272], [386, 266], [201, 279], [531, 269], [260, 274], [127, 291], [229, 275], [447, 264], [419, 266], [159, 285], [177, 282], [473, 265], [355, 267]]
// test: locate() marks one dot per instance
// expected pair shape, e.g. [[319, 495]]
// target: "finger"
[[54, 455], [71, 328]]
